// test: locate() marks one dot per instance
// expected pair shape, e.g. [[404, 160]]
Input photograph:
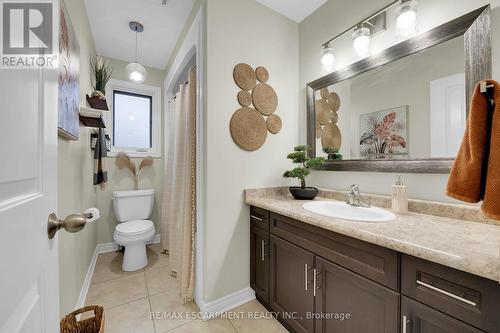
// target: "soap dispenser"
[[400, 197]]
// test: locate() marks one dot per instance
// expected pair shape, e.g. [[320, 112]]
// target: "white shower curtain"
[[178, 217]]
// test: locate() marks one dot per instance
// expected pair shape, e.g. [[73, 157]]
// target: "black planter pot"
[[306, 193]]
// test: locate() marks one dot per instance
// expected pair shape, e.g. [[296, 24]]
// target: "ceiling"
[[162, 27], [296, 10]]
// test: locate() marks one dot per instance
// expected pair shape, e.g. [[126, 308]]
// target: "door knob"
[[72, 223]]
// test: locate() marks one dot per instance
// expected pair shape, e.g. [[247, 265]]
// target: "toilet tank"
[[133, 205]]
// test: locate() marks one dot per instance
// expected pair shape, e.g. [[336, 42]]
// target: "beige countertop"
[[467, 246]]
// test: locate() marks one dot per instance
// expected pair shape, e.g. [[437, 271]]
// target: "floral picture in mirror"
[[384, 134]]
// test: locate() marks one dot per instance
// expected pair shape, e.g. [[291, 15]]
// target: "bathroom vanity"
[[418, 273]]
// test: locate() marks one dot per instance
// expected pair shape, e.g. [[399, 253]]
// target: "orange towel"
[[475, 176]]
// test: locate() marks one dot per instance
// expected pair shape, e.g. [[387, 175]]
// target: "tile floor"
[[129, 299]]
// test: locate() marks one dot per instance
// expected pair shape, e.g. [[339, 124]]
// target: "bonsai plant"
[[333, 154], [123, 161], [101, 73], [300, 156]]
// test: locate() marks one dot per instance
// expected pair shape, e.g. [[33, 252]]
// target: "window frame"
[[126, 87], [126, 93]]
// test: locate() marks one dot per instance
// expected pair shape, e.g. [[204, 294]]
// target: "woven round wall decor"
[[274, 124], [265, 99], [334, 117], [318, 130], [244, 76], [331, 136], [244, 98], [248, 128], [262, 74], [322, 112], [324, 93], [334, 101]]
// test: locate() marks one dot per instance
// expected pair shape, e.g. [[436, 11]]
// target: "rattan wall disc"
[[262, 74], [322, 112], [244, 98], [265, 99], [318, 130], [274, 124], [334, 117], [334, 101], [248, 128], [324, 93], [331, 136], [244, 76]]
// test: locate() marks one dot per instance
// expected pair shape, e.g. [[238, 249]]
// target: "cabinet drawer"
[[374, 262], [464, 296], [418, 318], [259, 218]]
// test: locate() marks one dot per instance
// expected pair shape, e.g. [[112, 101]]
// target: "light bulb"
[[361, 43], [327, 59], [407, 19], [136, 72]]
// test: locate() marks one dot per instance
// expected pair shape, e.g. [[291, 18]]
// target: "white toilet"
[[134, 230]]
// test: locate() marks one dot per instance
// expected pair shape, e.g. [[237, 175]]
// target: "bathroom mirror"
[[403, 109]]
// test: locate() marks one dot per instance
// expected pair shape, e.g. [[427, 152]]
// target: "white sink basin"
[[344, 211]]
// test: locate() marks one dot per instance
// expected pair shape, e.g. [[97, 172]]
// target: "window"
[[132, 120], [134, 123]]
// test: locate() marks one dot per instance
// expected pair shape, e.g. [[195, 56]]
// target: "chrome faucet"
[[353, 197]]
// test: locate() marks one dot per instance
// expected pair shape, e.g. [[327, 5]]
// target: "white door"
[[448, 115], [29, 286]]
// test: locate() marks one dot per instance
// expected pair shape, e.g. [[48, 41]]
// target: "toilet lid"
[[134, 227]]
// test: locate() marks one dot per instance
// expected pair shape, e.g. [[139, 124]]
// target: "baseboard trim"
[[106, 247], [229, 302], [100, 248], [86, 283]]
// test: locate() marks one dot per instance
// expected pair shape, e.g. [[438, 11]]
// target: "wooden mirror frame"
[[475, 27]]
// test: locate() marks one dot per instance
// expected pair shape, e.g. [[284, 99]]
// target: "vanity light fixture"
[[361, 41], [327, 59], [135, 71], [406, 21]]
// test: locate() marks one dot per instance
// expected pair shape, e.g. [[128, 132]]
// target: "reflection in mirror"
[[412, 108]]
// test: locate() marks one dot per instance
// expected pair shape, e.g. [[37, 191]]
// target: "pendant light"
[[406, 21], [327, 59], [361, 42], [135, 71]]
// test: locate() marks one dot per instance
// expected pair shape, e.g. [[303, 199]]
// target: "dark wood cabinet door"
[[347, 302], [291, 285], [259, 263], [419, 318]]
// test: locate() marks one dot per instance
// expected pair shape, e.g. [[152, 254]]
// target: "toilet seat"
[[135, 227]]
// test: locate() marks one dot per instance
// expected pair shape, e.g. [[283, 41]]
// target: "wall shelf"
[[97, 103], [91, 117]]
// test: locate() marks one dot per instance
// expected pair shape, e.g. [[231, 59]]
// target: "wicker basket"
[[95, 324]]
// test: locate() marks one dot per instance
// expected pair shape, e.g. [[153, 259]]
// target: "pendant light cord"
[[136, 45]]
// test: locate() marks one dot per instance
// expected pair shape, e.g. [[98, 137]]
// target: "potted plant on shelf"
[[300, 156], [333, 154], [101, 73]]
